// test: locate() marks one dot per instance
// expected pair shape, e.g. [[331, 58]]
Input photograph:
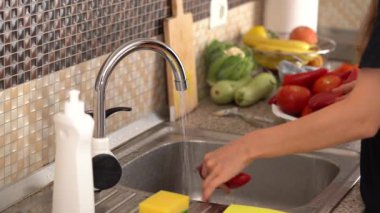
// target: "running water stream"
[[188, 153]]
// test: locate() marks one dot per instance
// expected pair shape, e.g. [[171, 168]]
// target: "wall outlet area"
[[218, 13]]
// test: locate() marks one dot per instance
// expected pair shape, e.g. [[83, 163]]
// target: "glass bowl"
[[270, 59]]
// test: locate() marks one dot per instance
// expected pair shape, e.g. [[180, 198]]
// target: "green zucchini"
[[259, 88]]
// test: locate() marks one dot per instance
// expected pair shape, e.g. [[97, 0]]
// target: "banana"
[[259, 35], [271, 61], [281, 43], [271, 47]]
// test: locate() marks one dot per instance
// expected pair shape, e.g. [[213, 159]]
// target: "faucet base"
[[106, 168]]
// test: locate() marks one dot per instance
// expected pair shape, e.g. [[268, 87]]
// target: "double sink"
[[164, 159]]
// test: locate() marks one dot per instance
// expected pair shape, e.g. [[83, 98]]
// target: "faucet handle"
[[110, 111]]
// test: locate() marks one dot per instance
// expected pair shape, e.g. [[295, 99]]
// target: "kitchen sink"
[[164, 159]]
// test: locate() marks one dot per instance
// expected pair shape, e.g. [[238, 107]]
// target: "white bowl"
[[277, 112]]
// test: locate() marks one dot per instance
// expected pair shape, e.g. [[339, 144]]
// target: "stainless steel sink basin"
[[313, 182]]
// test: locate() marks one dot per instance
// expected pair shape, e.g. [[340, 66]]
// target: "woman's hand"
[[344, 89], [224, 163]]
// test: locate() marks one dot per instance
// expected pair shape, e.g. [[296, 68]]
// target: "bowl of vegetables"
[[301, 94]]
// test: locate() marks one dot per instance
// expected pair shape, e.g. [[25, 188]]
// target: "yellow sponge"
[[165, 202], [249, 209]]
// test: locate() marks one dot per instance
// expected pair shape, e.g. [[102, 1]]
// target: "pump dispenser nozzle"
[[74, 96], [74, 106]]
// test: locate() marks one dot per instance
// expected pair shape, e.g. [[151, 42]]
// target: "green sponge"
[[165, 202]]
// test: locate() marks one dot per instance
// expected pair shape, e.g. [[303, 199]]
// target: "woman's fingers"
[[222, 186], [212, 172], [225, 188], [344, 88], [213, 182], [221, 165], [341, 97]]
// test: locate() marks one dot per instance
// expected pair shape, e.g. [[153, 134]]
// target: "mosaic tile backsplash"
[[36, 75], [38, 37]]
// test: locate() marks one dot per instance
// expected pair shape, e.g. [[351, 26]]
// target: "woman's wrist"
[[252, 145]]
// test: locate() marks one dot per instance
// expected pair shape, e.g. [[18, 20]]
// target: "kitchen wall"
[[49, 47], [341, 20], [342, 14]]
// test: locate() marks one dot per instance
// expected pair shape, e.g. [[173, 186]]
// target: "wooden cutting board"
[[178, 34]]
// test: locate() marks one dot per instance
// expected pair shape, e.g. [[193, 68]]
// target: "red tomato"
[[326, 83], [292, 99], [307, 110]]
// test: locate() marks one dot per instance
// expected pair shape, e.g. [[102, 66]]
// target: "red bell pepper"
[[345, 67], [305, 79], [307, 110], [347, 72], [343, 75], [320, 100], [239, 180], [351, 77], [272, 100]]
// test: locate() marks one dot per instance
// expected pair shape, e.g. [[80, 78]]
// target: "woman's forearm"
[[317, 130], [354, 118]]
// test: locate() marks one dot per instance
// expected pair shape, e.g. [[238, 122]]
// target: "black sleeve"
[[371, 55]]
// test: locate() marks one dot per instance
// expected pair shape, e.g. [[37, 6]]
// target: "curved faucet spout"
[[105, 71]]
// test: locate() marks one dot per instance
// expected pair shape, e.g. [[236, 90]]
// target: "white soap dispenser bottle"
[[73, 189]]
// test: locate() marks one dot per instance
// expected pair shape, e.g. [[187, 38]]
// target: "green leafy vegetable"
[[225, 61]]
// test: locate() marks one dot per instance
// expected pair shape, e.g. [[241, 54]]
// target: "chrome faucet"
[[115, 57], [107, 170]]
